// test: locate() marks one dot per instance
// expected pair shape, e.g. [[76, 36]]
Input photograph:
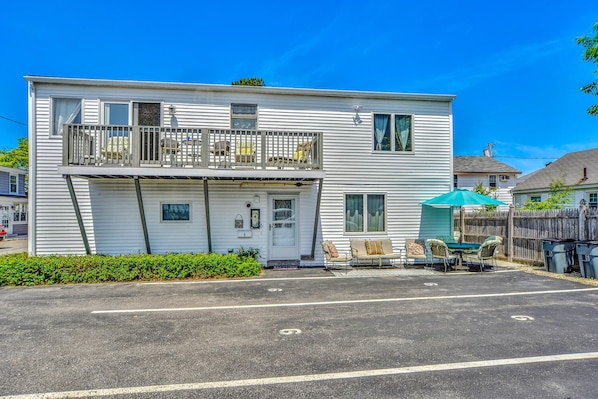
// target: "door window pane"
[[283, 223]]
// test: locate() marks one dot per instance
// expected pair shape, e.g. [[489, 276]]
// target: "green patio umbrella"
[[461, 197]]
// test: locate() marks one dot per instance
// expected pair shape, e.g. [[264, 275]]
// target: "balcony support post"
[[69, 183], [206, 201], [142, 214], [316, 219]]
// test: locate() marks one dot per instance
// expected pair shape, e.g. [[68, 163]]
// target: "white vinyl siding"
[[109, 206]]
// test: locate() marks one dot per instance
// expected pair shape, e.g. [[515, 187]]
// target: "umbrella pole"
[[461, 224]]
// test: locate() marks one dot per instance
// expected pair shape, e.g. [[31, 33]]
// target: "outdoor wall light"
[[172, 110], [356, 119]]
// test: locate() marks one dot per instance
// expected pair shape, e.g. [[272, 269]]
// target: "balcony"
[[193, 152]]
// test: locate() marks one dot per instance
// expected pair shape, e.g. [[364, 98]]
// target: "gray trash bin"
[[558, 254], [587, 253]]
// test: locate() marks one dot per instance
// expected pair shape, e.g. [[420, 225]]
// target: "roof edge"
[[238, 88]]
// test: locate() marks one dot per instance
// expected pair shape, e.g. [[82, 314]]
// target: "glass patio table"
[[461, 247]]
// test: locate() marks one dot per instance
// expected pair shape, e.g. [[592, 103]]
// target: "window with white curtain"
[[65, 111], [365, 213], [243, 116], [401, 127], [492, 180]]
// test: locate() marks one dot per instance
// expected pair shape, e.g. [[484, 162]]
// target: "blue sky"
[[514, 65]]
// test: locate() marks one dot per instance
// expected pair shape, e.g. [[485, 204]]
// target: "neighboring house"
[[469, 171], [13, 200], [577, 170], [134, 167]]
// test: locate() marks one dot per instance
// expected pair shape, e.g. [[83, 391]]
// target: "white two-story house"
[[120, 167], [493, 175]]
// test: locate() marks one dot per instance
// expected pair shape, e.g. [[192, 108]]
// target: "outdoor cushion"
[[374, 247], [332, 250], [413, 248]]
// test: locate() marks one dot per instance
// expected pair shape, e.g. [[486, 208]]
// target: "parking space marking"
[[346, 302], [306, 377]]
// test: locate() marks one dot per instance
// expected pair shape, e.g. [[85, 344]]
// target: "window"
[[20, 213], [244, 116], [176, 213], [536, 198], [402, 128], [365, 213], [592, 200], [14, 185], [64, 111], [455, 181], [117, 114], [492, 180]]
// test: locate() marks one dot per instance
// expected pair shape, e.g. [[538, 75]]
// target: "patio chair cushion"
[[332, 249], [374, 247], [415, 248]]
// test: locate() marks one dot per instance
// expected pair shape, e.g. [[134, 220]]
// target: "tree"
[[488, 192], [17, 157], [558, 198], [249, 82], [590, 44]]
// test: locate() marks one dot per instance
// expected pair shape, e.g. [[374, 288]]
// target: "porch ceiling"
[[190, 173]]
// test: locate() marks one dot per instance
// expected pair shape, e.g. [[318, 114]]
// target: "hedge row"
[[19, 269]]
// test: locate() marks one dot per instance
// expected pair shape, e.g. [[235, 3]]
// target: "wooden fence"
[[524, 231]]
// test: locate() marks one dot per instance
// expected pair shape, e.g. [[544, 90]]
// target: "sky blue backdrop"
[[514, 65]]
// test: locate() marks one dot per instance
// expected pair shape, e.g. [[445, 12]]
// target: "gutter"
[[32, 203]]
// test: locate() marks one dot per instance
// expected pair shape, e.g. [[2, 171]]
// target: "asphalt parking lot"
[[304, 333]]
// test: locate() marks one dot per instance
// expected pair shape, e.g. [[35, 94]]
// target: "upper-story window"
[[13, 184], [116, 114], [455, 181], [243, 116], [593, 200], [64, 111], [401, 127], [492, 180]]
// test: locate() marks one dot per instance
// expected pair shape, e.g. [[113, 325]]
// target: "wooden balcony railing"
[[140, 146]]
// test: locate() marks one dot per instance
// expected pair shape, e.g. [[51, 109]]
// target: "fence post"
[[583, 213], [510, 232]]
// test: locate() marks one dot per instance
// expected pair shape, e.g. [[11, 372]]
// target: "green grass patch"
[[20, 269]]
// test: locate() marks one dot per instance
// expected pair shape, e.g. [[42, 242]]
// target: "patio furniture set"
[[449, 252]]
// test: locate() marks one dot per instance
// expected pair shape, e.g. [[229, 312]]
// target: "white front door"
[[283, 234]]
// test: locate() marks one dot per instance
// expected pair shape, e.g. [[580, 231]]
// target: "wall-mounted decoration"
[[238, 222], [255, 218]]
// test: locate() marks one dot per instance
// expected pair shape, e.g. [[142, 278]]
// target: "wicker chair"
[[439, 250]]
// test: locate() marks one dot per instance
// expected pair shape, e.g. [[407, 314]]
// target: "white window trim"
[[595, 203], [102, 112], [10, 176], [365, 206], [244, 116], [495, 181], [177, 203], [51, 127], [393, 150]]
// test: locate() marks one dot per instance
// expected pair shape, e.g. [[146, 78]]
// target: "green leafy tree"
[[488, 192], [590, 44], [558, 198], [249, 82], [17, 157]]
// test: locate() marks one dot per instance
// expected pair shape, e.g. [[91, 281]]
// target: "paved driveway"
[[304, 334], [13, 245]]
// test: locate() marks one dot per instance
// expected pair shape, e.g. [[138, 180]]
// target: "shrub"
[[19, 269]]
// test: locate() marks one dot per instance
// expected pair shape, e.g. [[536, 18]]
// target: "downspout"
[[316, 219], [69, 183], [31, 201], [206, 201], [142, 215]]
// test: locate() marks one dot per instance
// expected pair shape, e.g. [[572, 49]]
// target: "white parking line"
[[306, 378], [354, 301]]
